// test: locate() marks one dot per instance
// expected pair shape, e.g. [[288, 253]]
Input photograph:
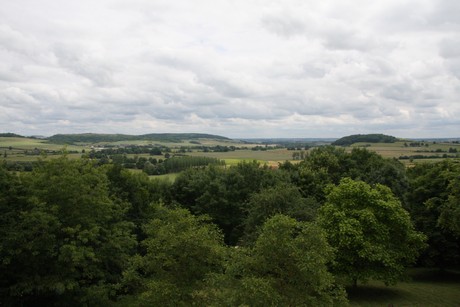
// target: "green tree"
[[68, 242], [326, 165], [222, 193], [180, 250], [281, 199], [449, 219], [433, 203], [371, 231], [287, 266]]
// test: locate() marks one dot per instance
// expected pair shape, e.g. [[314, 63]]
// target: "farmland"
[[30, 149]]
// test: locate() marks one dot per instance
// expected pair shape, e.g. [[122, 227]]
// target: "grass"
[[428, 287], [275, 155], [171, 177], [30, 144]]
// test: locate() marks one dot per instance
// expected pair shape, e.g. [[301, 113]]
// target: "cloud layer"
[[236, 68]]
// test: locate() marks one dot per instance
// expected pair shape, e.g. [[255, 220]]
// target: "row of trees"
[[178, 164], [74, 232]]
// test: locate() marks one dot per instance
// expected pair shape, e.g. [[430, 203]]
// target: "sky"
[[239, 68]]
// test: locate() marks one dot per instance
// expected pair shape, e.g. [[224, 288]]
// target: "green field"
[[271, 157], [427, 288], [398, 149], [13, 149]]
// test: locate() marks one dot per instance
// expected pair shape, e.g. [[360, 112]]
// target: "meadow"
[[426, 287]]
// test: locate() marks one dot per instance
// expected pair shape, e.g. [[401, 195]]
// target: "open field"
[[30, 144], [395, 150], [170, 177], [273, 155], [399, 149], [13, 149], [427, 288]]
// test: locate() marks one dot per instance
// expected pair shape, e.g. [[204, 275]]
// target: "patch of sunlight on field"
[[278, 155], [169, 177]]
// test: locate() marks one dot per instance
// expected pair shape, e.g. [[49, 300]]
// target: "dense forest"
[[370, 138], [76, 232]]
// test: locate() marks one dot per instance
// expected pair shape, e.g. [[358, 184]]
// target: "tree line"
[[75, 232]]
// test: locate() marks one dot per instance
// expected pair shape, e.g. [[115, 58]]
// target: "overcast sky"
[[240, 68]]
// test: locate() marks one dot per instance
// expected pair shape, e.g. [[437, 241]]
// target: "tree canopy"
[[371, 231], [433, 201], [295, 273], [64, 239], [78, 232], [370, 138]]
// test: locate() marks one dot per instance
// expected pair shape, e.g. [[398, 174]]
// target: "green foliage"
[[78, 233], [177, 164], [68, 241], [370, 138], [372, 168], [204, 192], [433, 201], [286, 267], [327, 165], [180, 249], [372, 233], [281, 199], [449, 219], [222, 193]]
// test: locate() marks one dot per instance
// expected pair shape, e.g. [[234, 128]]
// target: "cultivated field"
[[29, 149]]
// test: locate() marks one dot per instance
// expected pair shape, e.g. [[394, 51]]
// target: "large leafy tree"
[[180, 250], [222, 193], [328, 165], [433, 201], [68, 241], [281, 199], [371, 231], [287, 266]]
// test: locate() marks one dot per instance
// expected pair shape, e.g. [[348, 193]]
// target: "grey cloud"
[[226, 87], [445, 13], [345, 39], [450, 51], [285, 26], [314, 71], [14, 41], [80, 61], [450, 48], [11, 73], [453, 66], [401, 92], [289, 68]]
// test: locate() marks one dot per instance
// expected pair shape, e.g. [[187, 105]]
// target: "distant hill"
[[159, 137], [370, 138], [11, 135]]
